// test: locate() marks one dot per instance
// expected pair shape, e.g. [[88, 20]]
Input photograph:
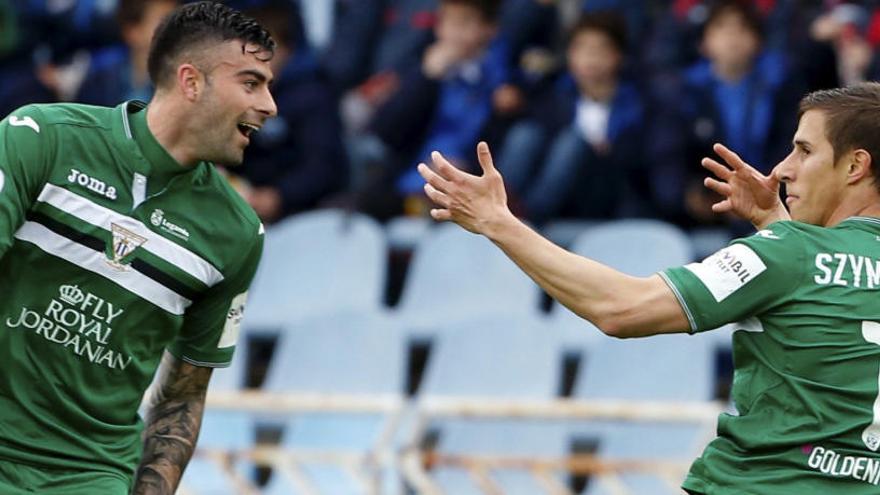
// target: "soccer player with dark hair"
[[121, 246], [802, 293]]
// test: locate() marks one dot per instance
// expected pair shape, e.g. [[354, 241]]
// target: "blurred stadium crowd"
[[595, 109]]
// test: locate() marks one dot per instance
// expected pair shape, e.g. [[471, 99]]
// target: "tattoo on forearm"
[[172, 426]]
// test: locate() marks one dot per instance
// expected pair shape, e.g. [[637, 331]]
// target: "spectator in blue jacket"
[[119, 72], [737, 94], [444, 103], [578, 154], [297, 160]]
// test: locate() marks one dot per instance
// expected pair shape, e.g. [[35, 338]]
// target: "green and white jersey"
[[806, 300], [110, 252]]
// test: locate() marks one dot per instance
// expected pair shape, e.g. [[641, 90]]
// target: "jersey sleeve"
[[24, 166], [744, 279], [211, 325]]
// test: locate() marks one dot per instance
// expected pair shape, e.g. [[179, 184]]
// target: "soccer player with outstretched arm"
[[121, 247], [802, 292]]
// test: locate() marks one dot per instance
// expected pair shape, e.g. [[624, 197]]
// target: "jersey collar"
[[873, 221], [161, 162]]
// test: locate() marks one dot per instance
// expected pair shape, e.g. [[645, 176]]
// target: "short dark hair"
[[197, 24], [130, 12], [744, 8], [489, 9], [852, 119], [609, 23]]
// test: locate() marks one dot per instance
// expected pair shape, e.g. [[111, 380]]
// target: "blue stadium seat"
[[343, 353], [456, 275], [660, 368], [317, 263], [497, 358]]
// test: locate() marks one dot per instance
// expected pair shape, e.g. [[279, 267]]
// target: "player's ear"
[[859, 166], [189, 81]]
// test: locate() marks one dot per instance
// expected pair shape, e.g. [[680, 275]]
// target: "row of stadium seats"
[[330, 261], [512, 359], [475, 322]]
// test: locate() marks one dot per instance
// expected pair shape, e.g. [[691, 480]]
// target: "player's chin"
[[234, 157]]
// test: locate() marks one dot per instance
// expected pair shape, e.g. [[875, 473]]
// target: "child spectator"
[[576, 156], [441, 104], [735, 95]]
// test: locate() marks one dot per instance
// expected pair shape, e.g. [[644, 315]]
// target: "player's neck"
[[164, 122], [865, 203]]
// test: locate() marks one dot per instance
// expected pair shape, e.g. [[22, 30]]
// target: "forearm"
[[620, 305], [591, 290], [172, 427], [169, 442]]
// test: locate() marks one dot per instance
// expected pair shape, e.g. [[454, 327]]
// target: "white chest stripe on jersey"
[[728, 270], [94, 261], [102, 217], [3, 178]]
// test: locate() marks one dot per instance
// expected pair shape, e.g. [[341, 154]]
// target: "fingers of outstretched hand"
[[721, 188], [722, 206], [433, 178], [436, 196], [441, 215], [729, 156], [446, 169], [719, 170], [484, 156]]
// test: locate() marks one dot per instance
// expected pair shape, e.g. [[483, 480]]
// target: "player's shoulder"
[[780, 242], [780, 234], [54, 114], [240, 215]]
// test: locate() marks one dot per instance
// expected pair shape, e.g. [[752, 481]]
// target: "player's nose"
[[784, 170], [267, 105]]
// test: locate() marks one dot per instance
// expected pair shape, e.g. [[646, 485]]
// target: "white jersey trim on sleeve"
[[96, 262], [687, 310], [100, 216], [728, 270], [205, 364]]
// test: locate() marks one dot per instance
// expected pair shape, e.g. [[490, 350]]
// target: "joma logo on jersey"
[[123, 246], [91, 183]]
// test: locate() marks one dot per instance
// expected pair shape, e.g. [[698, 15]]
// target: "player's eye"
[[251, 84]]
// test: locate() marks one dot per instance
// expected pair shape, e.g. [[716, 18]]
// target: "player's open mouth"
[[246, 129]]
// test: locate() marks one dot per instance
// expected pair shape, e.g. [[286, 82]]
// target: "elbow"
[[617, 328], [616, 321]]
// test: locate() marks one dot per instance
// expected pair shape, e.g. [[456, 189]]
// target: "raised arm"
[[748, 194], [619, 304], [172, 426]]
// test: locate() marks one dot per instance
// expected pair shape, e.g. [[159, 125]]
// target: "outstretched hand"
[[747, 193], [476, 203]]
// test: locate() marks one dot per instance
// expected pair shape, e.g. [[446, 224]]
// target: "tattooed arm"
[[172, 426]]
